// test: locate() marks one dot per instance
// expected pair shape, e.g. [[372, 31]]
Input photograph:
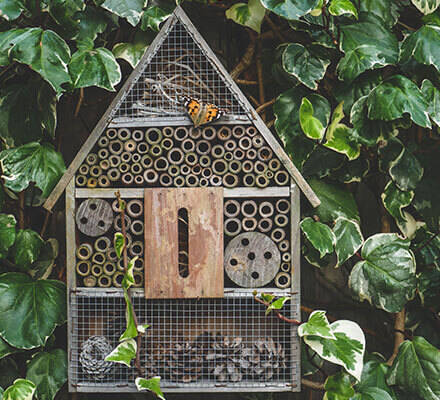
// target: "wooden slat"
[[205, 243]]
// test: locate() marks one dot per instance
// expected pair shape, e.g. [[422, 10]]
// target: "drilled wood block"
[[204, 242], [94, 217]]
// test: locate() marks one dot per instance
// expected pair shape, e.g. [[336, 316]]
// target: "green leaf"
[[395, 97], [131, 328], [310, 361], [5, 349], [426, 247], [416, 369], [317, 325], [11, 9], [386, 277], [342, 7], [152, 385], [335, 202], [42, 268], [388, 153], [322, 162], [153, 16], [123, 353], [304, 65], [91, 22], [30, 310], [290, 9], [278, 304], [372, 393], [10, 373], [347, 349], [7, 233], [426, 6], [128, 279], [119, 243], [374, 375], [427, 201], [131, 10], [48, 370], [432, 96], [338, 387], [95, 67], [132, 52], [319, 235], [26, 249], [64, 13], [386, 10], [22, 389], [395, 199], [311, 125], [32, 162], [353, 171], [43, 50], [406, 170], [349, 238], [367, 45], [250, 14]]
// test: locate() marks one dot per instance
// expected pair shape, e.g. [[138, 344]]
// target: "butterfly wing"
[[201, 113], [194, 108]]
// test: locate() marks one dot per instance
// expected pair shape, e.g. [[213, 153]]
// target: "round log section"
[[94, 217]]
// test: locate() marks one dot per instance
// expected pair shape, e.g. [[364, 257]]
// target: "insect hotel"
[[212, 214]]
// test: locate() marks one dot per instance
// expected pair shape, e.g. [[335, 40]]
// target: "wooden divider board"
[[205, 243]]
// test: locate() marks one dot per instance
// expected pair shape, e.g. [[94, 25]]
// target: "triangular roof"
[[177, 33]]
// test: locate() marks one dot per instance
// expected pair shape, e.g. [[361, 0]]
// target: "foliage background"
[[351, 88]]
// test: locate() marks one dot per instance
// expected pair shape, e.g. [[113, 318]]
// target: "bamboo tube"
[[165, 179], [260, 167], [262, 181], [95, 171], [195, 133], [115, 206], [153, 136], [266, 209], [125, 157], [238, 131], [196, 169], [206, 172], [102, 244], [124, 167], [136, 168], [175, 156], [205, 161], [181, 133], [265, 225], [265, 153], [231, 208], [81, 180], [89, 281], [146, 161], [161, 164], [230, 145], [278, 235], [251, 131], [136, 158], [84, 251], [232, 226], [228, 156], [230, 180], [137, 135], [284, 245], [139, 179], [203, 147], [116, 147], [98, 258], [191, 158], [245, 143], [274, 164], [84, 169], [204, 182], [215, 180], [83, 268], [130, 145], [168, 131], [124, 134], [96, 270], [239, 154], [111, 133], [136, 249], [135, 208], [139, 264], [179, 181], [192, 180], [104, 281], [151, 176], [269, 174], [282, 206], [281, 220], [109, 268], [117, 279], [257, 141], [92, 183], [220, 167], [224, 133], [282, 280], [174, 170], [113, 174], [251, 154], [218, 151], [281, 178], [117, 223], [114, 161], [138, 279], [234, 166], [104, 164], [249, 180], [247, 166], [111, 255], [188, 145], [120, 265], [249, 224], [209, 133], [285, 267], [142, 148], [185, 169], [137, 227], [91, 159], [103, 141], [286, 257], [249, 208], [156, 150], [167, 144]]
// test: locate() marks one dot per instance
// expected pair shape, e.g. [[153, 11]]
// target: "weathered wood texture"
[[205, 243], [252, 259], [94, 217]]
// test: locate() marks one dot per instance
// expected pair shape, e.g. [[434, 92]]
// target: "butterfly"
[[199, 112]]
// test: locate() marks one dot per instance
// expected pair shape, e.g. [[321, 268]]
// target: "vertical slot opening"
[[182, 229]]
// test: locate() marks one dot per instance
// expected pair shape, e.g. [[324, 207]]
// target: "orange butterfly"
[[201, 113]]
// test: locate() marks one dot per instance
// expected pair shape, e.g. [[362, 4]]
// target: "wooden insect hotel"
[[212, 214]]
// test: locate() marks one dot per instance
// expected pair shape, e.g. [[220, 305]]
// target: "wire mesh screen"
[[178, 67], [195, 344]]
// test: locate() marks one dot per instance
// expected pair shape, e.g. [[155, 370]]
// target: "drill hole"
[[245, 242], [251, 256], [255, 275]]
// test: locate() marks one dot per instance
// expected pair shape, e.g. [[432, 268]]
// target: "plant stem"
[[21, 210], [278, 314], [312, 385], [399, 334]]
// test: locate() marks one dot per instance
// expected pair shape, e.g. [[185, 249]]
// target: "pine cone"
[[92, 357]]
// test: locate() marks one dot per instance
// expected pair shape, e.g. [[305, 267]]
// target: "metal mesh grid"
[[178, 67], [179, 344]]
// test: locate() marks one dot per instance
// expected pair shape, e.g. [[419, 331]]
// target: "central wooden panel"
[[204, 243]]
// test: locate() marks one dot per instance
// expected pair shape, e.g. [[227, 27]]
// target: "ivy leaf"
[[64, 13], [426, 247], [26, 249], [290, 9], [347, 349], [153, 16], [353, 171], [386, 10], [367, 45], [317, 325], [386, 277], [374, 375], [43, 50], [123, 353], [304, 64], [319, 235], [119, 243], [428, 286], [22, 389], [342, 7], [278, 304], [30, 310], [426, 6], [372, 393], [432, 96], [406, 98], [335, 202], [131, 10], [348, 237], [42, 268], [131, 328], [406, 170], [314, 127], [128, 279], [322, 162], [133, 52], [427, 201], [250, 14], [338, 387], [6, 349], [95, 67], [309, 360], [7, 233], [388, 153], [416, 369], [11, 9], [91, 23], [395, 199], [48, 370], [152, 385], [32, 162]]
